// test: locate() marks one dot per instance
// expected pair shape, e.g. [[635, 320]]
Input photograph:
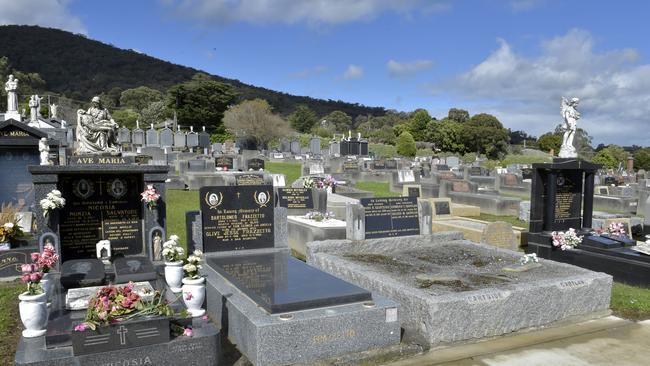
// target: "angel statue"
[[571, 117]]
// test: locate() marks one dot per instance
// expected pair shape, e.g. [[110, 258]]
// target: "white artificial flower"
[[174, 238], [198, 253], [9, 225], [189, 268]]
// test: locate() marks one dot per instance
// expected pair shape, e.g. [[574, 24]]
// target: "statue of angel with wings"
[[571, 117]]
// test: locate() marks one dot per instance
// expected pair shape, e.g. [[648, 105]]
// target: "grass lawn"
[[512, 220], [178, 203], [379, 189], [292, 171], [10, 325], [630, 302]]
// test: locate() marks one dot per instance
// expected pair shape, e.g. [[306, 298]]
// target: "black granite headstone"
[[391, 216], [12, 259], [82, 273], [280, 283], [237, 217], [100, 206], [123, 335], [442, 208], [379, 164], [295, 198], [413, 191], [225, 162], [255, 164], [134, 269], [391, 164]]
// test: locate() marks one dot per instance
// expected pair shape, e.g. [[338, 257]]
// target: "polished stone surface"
[[280, 283], [82, 273], [134, 269]]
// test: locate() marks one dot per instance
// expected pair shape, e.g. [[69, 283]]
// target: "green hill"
[[79, 68]]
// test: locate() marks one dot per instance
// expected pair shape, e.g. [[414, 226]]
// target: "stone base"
[[301, 336], [438, 315], [301, 232], [458, 209], [472, 229]]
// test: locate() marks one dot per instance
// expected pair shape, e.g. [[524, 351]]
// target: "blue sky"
[[512, 58]]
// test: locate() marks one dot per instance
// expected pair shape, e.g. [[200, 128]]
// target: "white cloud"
[[525, 91], [353, 72], [44, 13], [295, 11], [401, 69], [308, 72]]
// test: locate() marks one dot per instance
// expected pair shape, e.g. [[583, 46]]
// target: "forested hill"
[[79, 68]]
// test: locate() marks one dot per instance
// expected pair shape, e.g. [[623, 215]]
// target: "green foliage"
[[385, 135], [201, 102], [458, 115], [406, 145], [254, 120], [304, 139], [321, 132], [221, 136], [550, 141], [303, 119], [80, 68], [424, 152], [139, 98], [485, 120], [418, 124], [611, 157], [125, 117], [447, 136], [468, 158], [155, 112], [338, 121], [642, 159], [382, 150], [524, 159]]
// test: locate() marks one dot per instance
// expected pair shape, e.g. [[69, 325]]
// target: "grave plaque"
[[100, 206], [603, 190], [255, 164], [82, 273], [412, 191], [350, 166], [475, 171], [391, 164], [379, 164], [133, 269], [460, 186], [167, 138], [391, 216], [296, 198], [11, 260], [237, 217], [249, 179], [568, 200], [441, 207], [224, 162]]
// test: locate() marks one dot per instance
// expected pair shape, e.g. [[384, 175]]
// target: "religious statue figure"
[[96, 130], [34, 104], [157, 247], [53, 111], [571, 116], [44, 148], [12, 97]]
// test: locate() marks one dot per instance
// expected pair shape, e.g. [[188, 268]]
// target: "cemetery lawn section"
[[10, 325], [292, 171], [178, 203], [630, 302], [379, 189], [512, 220]]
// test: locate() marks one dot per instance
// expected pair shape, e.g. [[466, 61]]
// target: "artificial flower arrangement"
[[319, 216], [528, 258], [32, 277], [616, 229], [328, 182], [46, 260], [172, 251], [566, 239], [9, 231], [150, 196], [193, 265], [52, 201]]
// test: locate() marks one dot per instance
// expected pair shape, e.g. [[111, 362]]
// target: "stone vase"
[[33, 314], [174, 275], [47, 284], [194, 295]]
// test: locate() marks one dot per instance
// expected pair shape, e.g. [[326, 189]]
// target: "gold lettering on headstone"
[[336, 336], [14, 133]]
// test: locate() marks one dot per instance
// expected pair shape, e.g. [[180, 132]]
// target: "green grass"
[[178, 203], [512, 220], [630, 302], [379, 189], [292, 171], [10, 325]]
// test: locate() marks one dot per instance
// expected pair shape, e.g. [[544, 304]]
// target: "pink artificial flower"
[[188, 332], [25, 278], [35, 257], [26, 268], [205, 317], [80, 327], [35, 277], [188, 296]]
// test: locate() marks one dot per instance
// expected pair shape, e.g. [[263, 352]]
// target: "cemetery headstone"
[[391, 216], [133, 269], [237, 217], [192, 139], [314, 146], [499, 234], [412, 190], [167, 137], [124, 135], [255, 164], [249, 179], [295, 147], [138, 137], [180, 141], [350, 166], [441, 208], [224, 162], [153, 138], [295, 198]]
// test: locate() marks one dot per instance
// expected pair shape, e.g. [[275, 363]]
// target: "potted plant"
[[9, 228], [44, 262], [173, 254], [33, 306], [194, 284]]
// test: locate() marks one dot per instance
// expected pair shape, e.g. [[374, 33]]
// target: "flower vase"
[[194, 295], [174, 275], [329, 190], [47, 284], [33, 314]]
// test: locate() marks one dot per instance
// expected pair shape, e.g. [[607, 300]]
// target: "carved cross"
[[122, 332]]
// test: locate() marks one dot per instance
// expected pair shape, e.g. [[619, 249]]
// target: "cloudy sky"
[[512, 58]]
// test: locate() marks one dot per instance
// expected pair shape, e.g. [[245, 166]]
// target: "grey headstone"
[[124, 135], [192, 140], [499, 234], [314, 146], [204, 140], [179, 139], [295, 147], [166, 138], [138, 137], [153, 139]]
